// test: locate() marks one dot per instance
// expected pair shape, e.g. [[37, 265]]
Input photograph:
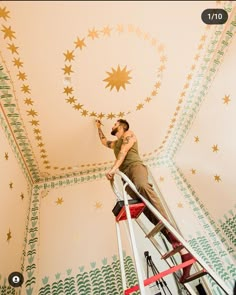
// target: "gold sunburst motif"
[[118, 78]]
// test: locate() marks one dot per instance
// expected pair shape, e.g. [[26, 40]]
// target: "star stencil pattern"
[[59, 201], [9, 236], [217, 178]]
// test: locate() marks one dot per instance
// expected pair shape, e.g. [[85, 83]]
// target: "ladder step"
[[160, 275], [195, 276], [135, 207], [172, 252], [155, 230]]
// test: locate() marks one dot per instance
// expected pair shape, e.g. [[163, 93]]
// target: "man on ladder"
[[129, 162]]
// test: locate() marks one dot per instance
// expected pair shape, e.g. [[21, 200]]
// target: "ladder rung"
[[160, 275], [195, 276], [172, 252], [155, 230]]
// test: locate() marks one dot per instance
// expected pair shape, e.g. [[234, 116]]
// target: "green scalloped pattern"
[[5, 289], [18, 129], [228, 226], [32, 243], [98, 281]]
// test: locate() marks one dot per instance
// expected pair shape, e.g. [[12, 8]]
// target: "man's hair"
[[124, 124]]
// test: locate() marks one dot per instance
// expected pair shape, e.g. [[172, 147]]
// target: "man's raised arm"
[[104, 141]]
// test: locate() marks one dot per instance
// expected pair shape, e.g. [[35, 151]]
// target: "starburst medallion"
[[118, 78]]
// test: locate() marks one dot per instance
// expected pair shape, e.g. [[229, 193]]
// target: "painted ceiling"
[[66, 63]]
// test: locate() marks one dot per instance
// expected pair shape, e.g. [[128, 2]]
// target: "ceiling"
[[66, 63]]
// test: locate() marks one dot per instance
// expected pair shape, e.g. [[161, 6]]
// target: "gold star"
[[6, 156], [193, 67], [196, 57], [17, 62], [43, 156], [36, 131], [46, 162], [22, 196], [11, 185], [226, 99], [32, 113], [40, 144], [180, 205], [9, 235], [118, 78], [67, 70], [217, 178], [182, 94], [98, 205], [84, 113], [101, 115], [78, 106], [110, 116], [29, 101], [22, 76], [161, 68], [139, 106], [203, 38], [215, 148], [8, 33], [196, 139], [163, 58], [71, 100], [69, 55], [107, 31], [157, 85], [34, 122], [93, 114], [93, 34], [38, 137], [193, 171], [48, 167], [200, 46], [68, 90], [13, 48], [154, 93], [161, 179], [120, 28], [121, 114], [148, 99], [80, 43], [186, 85], [25, 88], [189, 77], [4, 13], [42, 151]]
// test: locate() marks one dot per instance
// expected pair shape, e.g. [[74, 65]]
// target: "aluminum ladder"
[[126, 213]]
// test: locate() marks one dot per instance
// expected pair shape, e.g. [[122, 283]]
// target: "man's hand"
[[98, 123], [110, 174]]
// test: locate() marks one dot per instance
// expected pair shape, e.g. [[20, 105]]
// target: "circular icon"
[[15, 279]]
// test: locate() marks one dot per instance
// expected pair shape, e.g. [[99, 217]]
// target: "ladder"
[[126, 209]]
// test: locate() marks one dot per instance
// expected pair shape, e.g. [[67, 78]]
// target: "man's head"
[[120, 125]]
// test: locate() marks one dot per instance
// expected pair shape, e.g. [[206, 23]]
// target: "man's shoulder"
[[129, 133]]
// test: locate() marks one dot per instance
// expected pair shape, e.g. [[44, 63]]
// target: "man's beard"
[[114, 131]]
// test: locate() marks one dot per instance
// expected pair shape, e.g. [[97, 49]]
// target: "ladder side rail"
[[161, 252], [215, 277], [133, 242], [122, 267]]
